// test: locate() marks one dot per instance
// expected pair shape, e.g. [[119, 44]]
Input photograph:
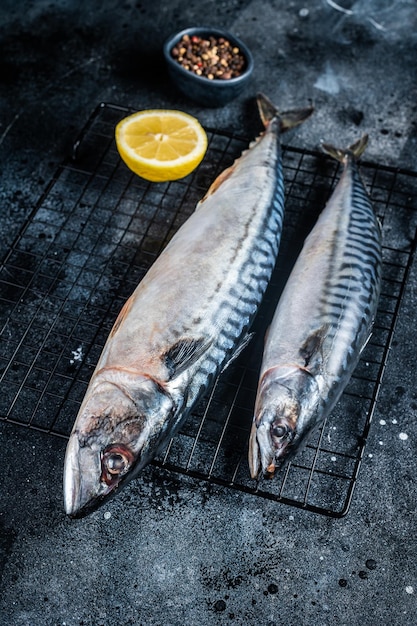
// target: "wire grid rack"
[[88, 242]]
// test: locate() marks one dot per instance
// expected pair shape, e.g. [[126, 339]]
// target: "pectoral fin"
[[312, 346], [183, 354]]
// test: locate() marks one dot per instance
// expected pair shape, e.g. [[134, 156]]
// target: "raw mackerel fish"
[[184, 322], [322, 322]]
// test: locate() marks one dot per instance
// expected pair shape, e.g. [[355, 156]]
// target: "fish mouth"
[[81, 495], [269, 453], [282, 419]]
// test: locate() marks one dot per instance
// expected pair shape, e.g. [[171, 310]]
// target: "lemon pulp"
[[161, 145]]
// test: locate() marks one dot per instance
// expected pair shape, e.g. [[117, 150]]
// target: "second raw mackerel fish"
[[186, 319], [322, 322]]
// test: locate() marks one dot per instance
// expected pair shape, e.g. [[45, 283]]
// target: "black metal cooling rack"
[[90, 239]]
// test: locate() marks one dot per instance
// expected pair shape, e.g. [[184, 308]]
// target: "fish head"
[[273, 429], [116, 433], [281, 421]]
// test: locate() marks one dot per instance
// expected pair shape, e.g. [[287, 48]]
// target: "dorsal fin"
[[216, 184], [122, 315]]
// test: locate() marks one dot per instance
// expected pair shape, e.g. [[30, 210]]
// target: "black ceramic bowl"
[[209, 92]]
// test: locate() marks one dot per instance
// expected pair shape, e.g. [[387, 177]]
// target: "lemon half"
[[161, 145]]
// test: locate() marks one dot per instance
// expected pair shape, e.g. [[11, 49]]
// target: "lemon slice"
[[161, 145]]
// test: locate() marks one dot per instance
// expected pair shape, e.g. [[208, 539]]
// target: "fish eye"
[[116, 463], [279, 431], [116, 460]]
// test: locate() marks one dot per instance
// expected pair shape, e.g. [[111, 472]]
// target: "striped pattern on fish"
[[187, 318], [321, 324], [244, 284]]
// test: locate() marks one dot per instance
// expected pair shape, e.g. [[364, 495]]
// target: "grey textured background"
[[170, 550]]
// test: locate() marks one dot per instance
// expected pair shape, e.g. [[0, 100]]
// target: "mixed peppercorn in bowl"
[[209, 65]]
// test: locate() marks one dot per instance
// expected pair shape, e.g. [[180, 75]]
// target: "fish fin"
[[291, 119], [216, 184], [288, 119], [356, 149], [241, 346], [123, 313], [183, 354], [359, 147], [366, 343], [313, 344], [267, 112]]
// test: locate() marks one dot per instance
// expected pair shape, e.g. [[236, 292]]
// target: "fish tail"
[[288, 119], [356, 149]]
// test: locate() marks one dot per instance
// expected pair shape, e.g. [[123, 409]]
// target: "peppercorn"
[[211, 57]]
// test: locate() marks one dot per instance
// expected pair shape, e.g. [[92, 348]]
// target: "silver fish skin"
[[183, 323], [321, 324]]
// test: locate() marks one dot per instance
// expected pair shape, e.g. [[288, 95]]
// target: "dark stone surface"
[[170, 550]]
